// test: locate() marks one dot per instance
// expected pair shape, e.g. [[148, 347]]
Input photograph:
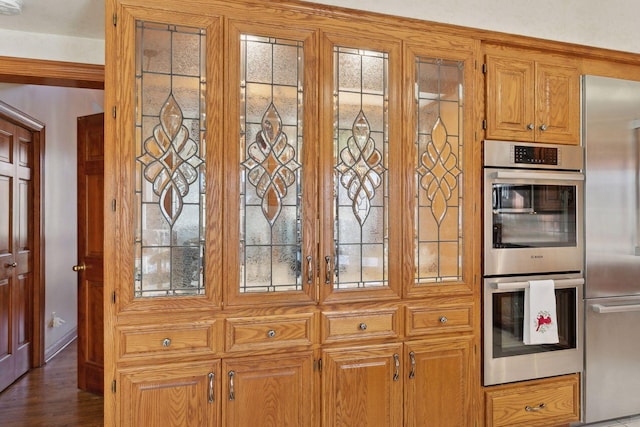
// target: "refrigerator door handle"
[[604, 309]]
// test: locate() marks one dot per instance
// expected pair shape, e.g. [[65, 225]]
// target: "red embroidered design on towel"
[[544, 319]]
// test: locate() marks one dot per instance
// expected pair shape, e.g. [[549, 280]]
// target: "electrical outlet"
[[55, 321]]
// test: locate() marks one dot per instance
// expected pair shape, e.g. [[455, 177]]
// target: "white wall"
[[58, 108], [51, 47], [610, 24]]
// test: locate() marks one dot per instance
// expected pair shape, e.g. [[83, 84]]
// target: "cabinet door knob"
[[530, 126], [363, 326], [443, 320], [271, 333], [543, 127], [166, 342], [11, 265], [79, 267]]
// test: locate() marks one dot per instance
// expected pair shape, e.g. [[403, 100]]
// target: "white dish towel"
[[540, 319]]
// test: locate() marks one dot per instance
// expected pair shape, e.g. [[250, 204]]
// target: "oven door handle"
[[604, 309], [561, 283], [567, 176]]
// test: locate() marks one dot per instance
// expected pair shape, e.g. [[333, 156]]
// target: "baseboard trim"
[[61, 344]]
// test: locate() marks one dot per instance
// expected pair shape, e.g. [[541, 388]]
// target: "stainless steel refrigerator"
[[611, 113]]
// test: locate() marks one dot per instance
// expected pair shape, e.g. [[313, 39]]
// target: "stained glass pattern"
[[361, 149], [170, 167], [271, 142], [361, 168], [271, 164], [438, 173]]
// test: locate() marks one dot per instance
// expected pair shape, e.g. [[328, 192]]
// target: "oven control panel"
[[535, 155]]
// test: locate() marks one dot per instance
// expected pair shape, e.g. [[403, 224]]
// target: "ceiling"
[[77, 18]]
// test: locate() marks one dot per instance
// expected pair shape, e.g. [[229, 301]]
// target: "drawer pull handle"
[[363, 326], [309, 270], [540, 407], [211, 376], [396, 375], [443, 320], [232, 393], [166, 342], [271, 333], [412, 373], [327, 278]]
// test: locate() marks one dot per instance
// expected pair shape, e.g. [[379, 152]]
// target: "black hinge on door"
[[113, 112], [113, 205], [484, 124], [113, 297], [484, 68], [320, 365], [115, 20], [113, 386]]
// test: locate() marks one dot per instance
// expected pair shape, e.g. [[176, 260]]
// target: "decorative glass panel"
[[438, 234], [271, 115], [170, 160], [360, 168]]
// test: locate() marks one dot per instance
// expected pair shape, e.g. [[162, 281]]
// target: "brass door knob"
[[79, 267]]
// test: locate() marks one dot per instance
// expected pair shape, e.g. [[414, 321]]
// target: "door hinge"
[[484, 124], [113, 205], [115, 20], [113, 297], [320, 365], [113, 112], [484, 68], [113, 386]]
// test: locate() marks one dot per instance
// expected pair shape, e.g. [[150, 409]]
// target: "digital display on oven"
[[535, 155]]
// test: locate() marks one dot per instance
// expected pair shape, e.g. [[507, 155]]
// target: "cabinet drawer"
[[193, 338], [269, 332], [353, 325], [542, 403], [433, 320]]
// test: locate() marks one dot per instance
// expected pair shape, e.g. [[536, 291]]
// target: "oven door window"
[[533, 216], [508, 317]]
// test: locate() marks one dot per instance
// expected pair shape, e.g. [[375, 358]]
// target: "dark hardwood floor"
[[49, 397]]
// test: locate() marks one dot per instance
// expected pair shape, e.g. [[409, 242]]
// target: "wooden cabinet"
[[439, 385], [362, 386], [531, 97], [176, 395], [548, 402], [269, 391], [257, 159]]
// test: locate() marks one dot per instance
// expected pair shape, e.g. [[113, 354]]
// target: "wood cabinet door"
[[270, 164], [360, 176], [438, 221], [438, 390], [557, 104], [510, 98], [176, 395], [269, 391], [362, 386]]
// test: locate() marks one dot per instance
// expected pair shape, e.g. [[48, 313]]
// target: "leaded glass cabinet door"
[[169, 154], [270, 152], [360, 169], [439, 167]]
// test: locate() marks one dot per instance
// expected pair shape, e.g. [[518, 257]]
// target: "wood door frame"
[[50, 73]]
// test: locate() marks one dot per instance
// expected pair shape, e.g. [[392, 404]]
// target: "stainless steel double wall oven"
[[533, 229]]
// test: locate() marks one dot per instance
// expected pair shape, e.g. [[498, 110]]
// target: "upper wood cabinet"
[[531, 98]]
